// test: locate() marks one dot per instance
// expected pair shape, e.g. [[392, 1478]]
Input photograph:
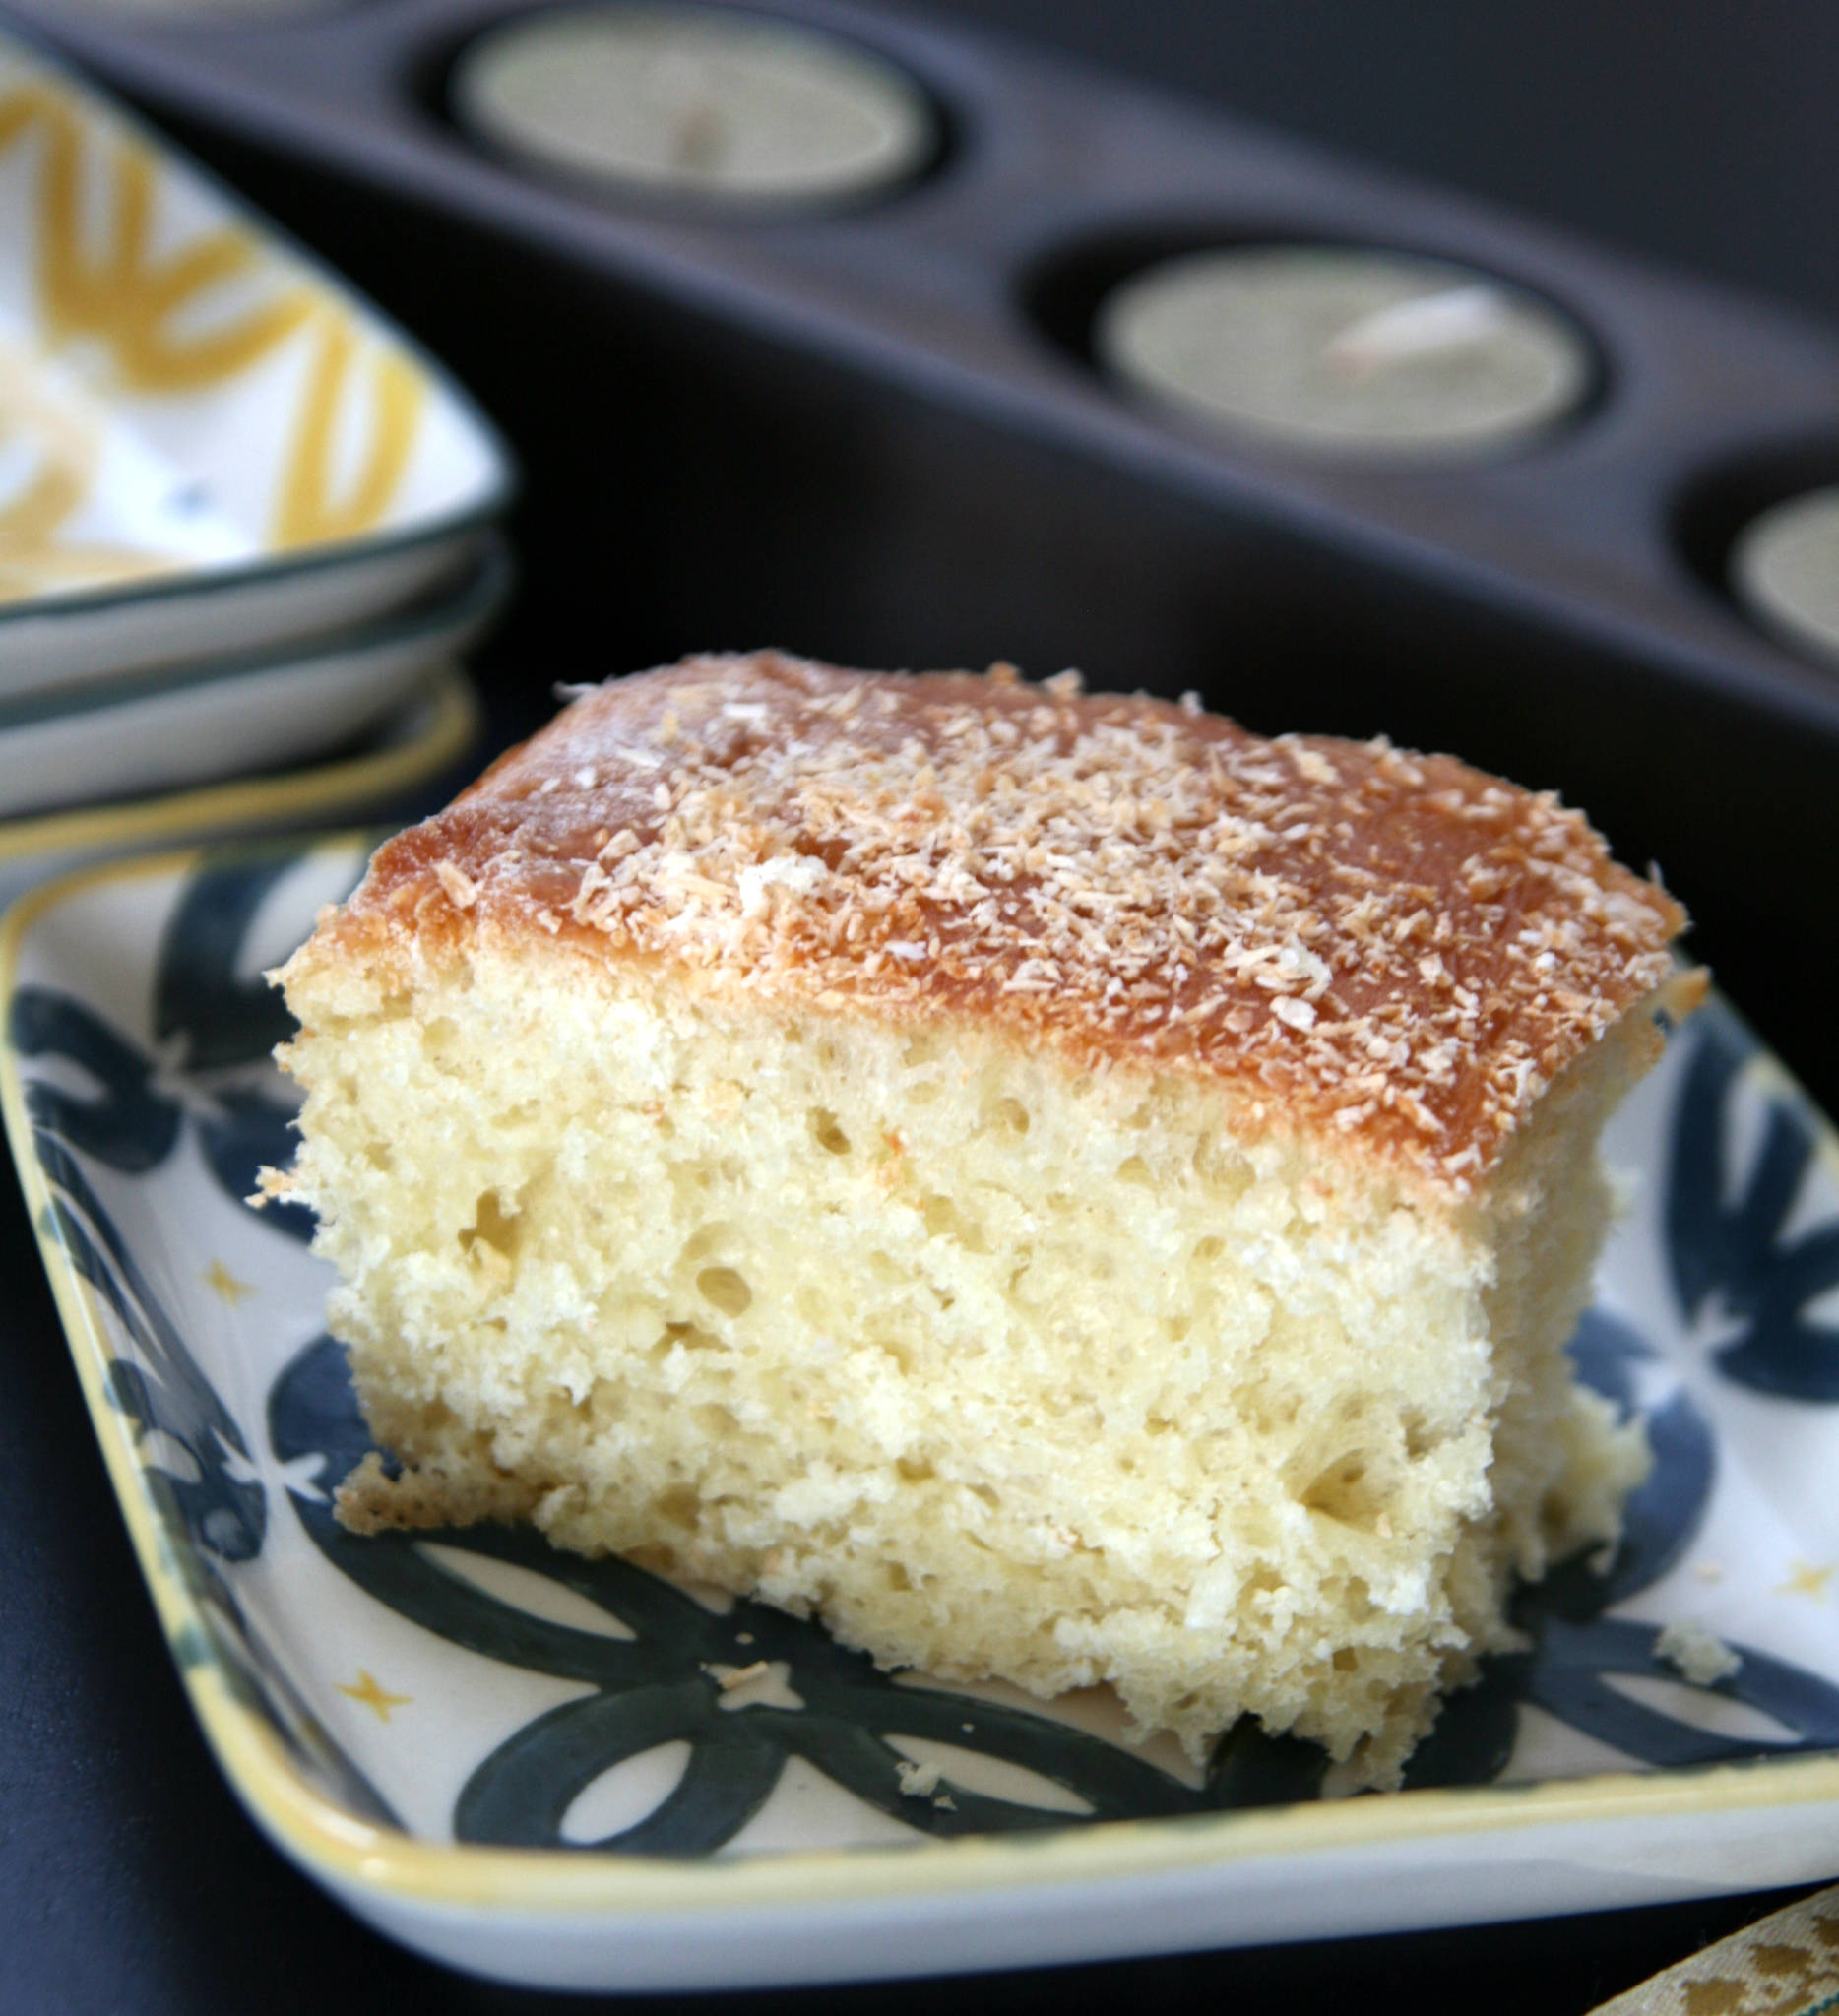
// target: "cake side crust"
[[1397, 948]]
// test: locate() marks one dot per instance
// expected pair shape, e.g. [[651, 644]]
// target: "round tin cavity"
[[703, 102], [1785, 568], [1346, 349]]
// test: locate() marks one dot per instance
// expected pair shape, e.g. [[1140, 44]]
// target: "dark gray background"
[[1699, 131], [129, 1881]]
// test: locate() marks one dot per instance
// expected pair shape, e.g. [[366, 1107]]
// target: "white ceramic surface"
[[173, 729], [56, 644], [528, 1765], [418, 742], [207, 444]]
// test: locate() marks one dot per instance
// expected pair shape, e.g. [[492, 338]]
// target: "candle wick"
[[700, 139], [1407, 330]]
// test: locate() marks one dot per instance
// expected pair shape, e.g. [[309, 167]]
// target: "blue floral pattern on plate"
[[145, 1096]]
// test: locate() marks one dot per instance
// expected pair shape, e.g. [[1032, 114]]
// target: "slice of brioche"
[[1058, 1187]]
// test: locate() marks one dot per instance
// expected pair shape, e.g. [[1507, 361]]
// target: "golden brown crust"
[[1397, 949]]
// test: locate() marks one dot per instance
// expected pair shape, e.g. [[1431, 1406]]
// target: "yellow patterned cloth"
[[1787, 1965]]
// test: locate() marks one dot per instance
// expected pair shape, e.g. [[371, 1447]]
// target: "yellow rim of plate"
[[326, 790], [354, 1855]]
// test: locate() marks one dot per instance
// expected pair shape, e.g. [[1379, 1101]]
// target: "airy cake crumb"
[[1056, 1186]]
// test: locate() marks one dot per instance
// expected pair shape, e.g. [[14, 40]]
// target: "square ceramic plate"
[[186, 725], [207, 442], [422, 740], [572, 1773]]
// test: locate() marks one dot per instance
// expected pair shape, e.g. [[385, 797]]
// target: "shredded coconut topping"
[[1395, 946]]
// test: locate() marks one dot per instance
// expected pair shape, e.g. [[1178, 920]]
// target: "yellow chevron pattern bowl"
[[207, 444]]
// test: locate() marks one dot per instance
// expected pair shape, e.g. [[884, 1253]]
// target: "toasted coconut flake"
[[1397, 948]]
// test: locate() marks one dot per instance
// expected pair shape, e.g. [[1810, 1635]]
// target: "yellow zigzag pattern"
[[132, 300], [308, 511], [127, 297]]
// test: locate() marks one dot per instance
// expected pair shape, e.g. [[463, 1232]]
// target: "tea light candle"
[[1345, 351], [697, 102], [1786, 568]]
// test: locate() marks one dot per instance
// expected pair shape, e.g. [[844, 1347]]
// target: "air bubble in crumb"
[[1698, 1653], [917, 1781]]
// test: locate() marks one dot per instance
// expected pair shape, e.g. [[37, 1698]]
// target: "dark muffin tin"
[[878, 433]]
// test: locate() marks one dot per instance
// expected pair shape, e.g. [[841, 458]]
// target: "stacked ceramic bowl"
[[246, 530]]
